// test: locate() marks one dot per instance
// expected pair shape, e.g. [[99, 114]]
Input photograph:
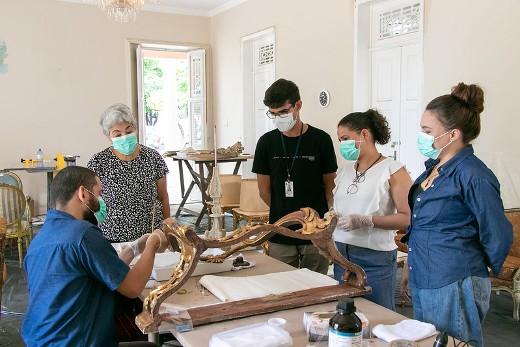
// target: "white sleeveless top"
[[372, 198]]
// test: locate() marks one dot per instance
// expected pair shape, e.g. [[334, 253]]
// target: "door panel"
[[197, 98], [386, 83], [410, 108], [258, 70], [396, 86]]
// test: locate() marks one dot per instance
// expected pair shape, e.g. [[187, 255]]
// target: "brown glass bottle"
[[345, 328]]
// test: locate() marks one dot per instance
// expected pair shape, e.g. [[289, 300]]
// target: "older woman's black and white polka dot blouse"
[[130, 192]]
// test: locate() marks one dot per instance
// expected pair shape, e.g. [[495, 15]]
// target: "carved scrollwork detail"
[[191, 246]]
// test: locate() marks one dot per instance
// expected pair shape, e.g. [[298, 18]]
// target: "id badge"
[[289, 191]]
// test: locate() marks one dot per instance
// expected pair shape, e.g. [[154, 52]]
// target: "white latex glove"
[[139, 244], [163, 242], [354, 221]]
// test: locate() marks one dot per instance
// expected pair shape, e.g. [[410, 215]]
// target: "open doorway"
[[166, 124], [171, 103]]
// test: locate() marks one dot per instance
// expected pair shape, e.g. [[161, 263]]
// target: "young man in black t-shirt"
[[295, 166]]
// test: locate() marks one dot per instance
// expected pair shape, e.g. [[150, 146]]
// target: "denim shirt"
[[458, 227]]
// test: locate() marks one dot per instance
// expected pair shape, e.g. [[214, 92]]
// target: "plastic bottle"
[[39, 158], [345, 328]]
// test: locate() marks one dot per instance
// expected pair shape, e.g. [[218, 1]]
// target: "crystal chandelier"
[[121, 10]]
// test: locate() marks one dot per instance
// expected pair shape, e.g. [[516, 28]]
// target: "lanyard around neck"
[[295, 153]]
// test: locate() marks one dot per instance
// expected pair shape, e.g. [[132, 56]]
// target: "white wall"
[[475, 41], [465, 40], [313, 48], [67, 62]]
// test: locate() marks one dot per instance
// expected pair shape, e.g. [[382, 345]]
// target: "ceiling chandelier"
[[122, 10]]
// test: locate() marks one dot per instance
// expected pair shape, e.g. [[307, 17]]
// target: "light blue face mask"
[[348, 149], [125, 144], [425, 143], [100, 214]]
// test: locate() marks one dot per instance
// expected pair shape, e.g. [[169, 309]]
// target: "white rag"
[[408, 329], [240, 288]]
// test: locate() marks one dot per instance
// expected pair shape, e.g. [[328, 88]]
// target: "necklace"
[[429, 180], [360, 177]]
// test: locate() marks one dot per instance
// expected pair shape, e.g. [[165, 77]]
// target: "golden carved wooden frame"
[[191, 246]]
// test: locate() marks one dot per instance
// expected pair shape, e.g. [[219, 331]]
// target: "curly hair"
[[371, 120]]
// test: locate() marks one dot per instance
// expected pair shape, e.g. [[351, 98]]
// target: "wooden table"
[[201, 179], [201, 335], [376, 314]]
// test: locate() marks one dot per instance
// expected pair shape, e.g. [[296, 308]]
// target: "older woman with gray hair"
[[133, 178]]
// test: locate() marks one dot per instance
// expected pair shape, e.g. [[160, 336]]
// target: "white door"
[[395, 93], [386, 96], [262, 80], [197, 98], [258, 75], [411, 109]]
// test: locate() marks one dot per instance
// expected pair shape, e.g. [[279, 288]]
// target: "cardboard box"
[[317, 325]]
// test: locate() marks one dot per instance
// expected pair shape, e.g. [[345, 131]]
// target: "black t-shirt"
[[315, 157]]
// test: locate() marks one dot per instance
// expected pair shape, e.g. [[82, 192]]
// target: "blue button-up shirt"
[[458, 227]]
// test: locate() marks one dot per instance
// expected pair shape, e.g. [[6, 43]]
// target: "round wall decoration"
[[324, 98]]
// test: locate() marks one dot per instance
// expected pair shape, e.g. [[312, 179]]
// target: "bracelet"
[[160, 241]]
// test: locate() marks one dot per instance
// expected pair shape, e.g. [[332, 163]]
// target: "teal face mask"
[[125, 144], [425, 143], [348, 149], [100, 214]]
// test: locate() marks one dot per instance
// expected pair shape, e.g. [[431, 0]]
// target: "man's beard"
[[89, 215]]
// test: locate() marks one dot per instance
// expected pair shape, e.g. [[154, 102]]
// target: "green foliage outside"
[[153, 85]]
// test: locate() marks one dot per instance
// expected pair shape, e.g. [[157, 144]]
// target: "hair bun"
[[472, 95]]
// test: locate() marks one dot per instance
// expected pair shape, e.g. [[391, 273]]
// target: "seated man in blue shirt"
[[73, 271]]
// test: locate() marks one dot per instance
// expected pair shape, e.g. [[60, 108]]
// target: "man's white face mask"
[[285, 123]]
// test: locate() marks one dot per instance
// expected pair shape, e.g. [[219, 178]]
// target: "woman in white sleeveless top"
[[371, 199]]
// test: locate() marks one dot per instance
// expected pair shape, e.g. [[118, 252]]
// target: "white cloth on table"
[[408, 329], [240, 288]]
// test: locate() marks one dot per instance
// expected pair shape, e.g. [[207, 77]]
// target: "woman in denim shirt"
[[458, 228]]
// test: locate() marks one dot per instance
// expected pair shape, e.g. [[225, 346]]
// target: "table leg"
[[50, 176], [181, 175], [237, 166], [184, 198], [203, 188]]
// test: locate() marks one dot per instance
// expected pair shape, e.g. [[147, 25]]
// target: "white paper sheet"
[[240, 288]]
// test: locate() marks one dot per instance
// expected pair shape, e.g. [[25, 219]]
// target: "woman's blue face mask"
[[348, 149], [425, 143], [125, 144]]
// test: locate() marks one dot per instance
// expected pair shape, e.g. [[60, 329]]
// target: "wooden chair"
[[10, 178], [3, 272], [12, 207], [402, 256], [508, 279], [252, 207], [230, 198]]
